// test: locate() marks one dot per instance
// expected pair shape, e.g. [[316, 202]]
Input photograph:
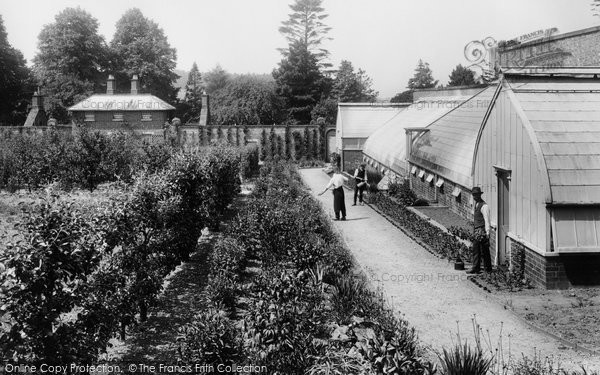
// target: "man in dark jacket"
[[360, 179], [481, 226]]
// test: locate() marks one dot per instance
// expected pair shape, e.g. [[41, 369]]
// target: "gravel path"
[[429, 293]]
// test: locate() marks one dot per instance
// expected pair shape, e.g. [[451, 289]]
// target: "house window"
[[90, 116], [117, 116], [146, 116]]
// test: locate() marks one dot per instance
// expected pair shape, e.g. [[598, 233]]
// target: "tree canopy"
[[71, 60], [306, 25], [462, 76], [140, 47], [300, 82], [216, 79], [246, 100], [351, 86], [423, 78], [14, 81], [403, 97]]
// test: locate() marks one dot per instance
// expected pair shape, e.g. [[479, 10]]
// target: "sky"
[[385, 38]]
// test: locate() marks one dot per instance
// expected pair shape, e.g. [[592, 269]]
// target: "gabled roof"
[[122, 102], [565, 117], [359, 120], [387, 145]]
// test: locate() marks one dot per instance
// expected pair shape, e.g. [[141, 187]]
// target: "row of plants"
[[443, 243], [292, 145], [282, 294], [76, 277], [82, 159]]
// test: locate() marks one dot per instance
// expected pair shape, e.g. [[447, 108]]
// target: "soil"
[[444, 216], [441, 302], [573, 314]]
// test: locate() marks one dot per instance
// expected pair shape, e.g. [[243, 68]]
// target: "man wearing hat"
[[360, 179], [481, 238]]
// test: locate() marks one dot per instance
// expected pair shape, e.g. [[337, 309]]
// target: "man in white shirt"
[[481, 238], [336, 183]]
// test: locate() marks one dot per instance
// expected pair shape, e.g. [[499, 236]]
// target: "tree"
[[462, 76], [305, 25], [247, 100], [15, 82], [140, 46], [193, 95], [216, 79], [423, 78], [403, 97], [300, 82], [350, 86], [326, 109], [71, 62]]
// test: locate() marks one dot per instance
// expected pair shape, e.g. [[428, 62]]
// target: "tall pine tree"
[[300, 82], [306, 25], [193, 95], [423, 78]]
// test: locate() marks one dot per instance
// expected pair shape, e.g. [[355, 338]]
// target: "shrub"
[[211, 339], [227, 257], [463, 359], [402, 192]]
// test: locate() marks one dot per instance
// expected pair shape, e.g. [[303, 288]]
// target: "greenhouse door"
[[503, 214]]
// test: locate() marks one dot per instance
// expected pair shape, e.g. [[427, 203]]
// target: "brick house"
[[113, 111]]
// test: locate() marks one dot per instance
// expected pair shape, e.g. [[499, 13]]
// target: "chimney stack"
[[134, 84], [37, 100], [110, 85], [204, 111]]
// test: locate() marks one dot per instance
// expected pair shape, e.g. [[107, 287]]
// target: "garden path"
[[427, 292]]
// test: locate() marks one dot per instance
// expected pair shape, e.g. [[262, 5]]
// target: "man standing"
[[337, 185], [481, 238], [360, 179]]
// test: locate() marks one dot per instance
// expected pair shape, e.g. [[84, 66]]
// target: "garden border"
[[476, 286]]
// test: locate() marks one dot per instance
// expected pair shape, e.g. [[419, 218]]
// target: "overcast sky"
[[386, 38]]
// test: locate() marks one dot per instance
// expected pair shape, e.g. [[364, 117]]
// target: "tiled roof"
[[122, 102]]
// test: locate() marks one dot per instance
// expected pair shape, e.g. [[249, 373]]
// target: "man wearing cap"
[[481, 237], [360, 179]]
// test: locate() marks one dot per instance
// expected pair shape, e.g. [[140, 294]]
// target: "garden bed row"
[[76, 277], [282, 295]]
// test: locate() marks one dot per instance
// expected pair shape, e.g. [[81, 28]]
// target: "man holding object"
[[360, 178], [481, 238], [337, 185]]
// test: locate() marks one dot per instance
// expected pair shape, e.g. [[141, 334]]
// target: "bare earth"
[[431, 295]]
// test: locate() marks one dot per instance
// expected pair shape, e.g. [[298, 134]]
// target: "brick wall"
[[462, 205], [557, 272]]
